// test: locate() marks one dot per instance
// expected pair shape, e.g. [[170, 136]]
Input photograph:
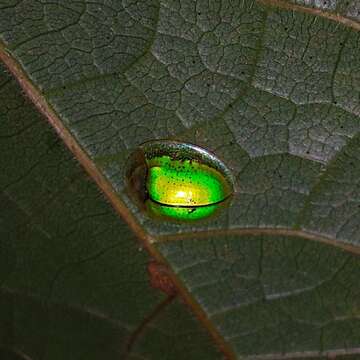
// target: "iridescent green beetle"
[[179, 181]]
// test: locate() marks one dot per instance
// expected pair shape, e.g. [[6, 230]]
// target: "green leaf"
[[273, 89], [73, 279]]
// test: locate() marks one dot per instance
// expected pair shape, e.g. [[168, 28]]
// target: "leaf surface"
[[73, 279], [273, 89]]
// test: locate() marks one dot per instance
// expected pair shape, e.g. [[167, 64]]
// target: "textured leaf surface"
[[275, 93], [73, 277], [273, 295], [347, 8]]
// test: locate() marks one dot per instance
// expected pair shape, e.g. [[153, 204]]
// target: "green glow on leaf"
[[184, 189]]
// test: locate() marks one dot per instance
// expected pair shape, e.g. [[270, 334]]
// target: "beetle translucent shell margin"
[[178, 181]]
